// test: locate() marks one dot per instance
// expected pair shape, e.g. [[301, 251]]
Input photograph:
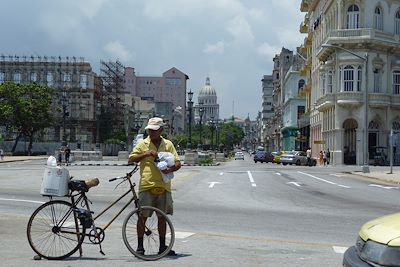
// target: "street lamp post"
[[201, 112], [65, 114], [365, 167], [212, 123], [190, 105]]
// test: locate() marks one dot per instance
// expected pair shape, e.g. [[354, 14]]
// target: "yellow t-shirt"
[[150, 175]]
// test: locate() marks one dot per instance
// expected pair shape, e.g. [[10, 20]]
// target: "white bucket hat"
[[155, 124]]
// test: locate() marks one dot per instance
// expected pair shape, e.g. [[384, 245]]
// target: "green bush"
[[206, 161]]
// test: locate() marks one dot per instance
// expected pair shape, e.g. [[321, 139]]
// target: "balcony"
[[304, 5], [379, 100], [325, 102], [304, 120], [357, 37], [395, 101], [303, 27], [349, 99], [364, 35]]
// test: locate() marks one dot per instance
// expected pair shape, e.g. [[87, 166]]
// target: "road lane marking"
[[183, 235], [323, 180], [212, 184], [384, 187], [339, 250], [251, 179], [295, 183], [21, 200]]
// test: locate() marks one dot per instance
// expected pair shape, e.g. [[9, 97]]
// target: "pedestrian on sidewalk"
[[324, 157], [59, 157], [328, 156], [67, 152], [308, 152], [321, 158], [1, 154]]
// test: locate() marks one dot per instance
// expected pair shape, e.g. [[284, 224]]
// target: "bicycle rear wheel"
[[151, 238], [53, 230]]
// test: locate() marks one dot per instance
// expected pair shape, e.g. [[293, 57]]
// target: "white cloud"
[[240, 29], [217, 48], [116, 49], [268, 51], [90, 8]]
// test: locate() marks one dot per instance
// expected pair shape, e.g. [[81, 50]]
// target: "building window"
[[323, 83], [397, 23], [396, 82], [353, 15], [173, 81], [34, 77], [378, 19], [67, 77], [301, 85], [377, 81], [2, 77], [17, 77], [49, 79], [329, 81], [350, 78], [83, 81]]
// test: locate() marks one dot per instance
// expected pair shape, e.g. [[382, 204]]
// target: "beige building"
[[353, 67], [74, 82]]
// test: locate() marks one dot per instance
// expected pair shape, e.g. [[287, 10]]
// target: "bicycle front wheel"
[[150, 221], [53, 230]]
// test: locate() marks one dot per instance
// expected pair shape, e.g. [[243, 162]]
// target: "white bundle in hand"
[[166, 159]]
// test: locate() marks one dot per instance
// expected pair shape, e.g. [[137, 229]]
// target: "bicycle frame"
[[83, 197]]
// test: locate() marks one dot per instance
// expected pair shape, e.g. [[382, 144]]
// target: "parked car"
[[296, 157], [263, 156], [239, 155], [377, 244], [276, 157]]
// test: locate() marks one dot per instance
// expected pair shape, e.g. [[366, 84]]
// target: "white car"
[[239, 155]]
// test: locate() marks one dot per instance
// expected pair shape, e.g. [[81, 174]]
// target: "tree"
[[26, 109]]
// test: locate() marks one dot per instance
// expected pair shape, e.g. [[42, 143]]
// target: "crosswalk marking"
[[183, 235], [339, 250]]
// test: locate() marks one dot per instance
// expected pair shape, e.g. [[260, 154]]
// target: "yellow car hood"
[[384, 230]]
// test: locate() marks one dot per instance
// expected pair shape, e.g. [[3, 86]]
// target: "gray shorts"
[[163, 202]]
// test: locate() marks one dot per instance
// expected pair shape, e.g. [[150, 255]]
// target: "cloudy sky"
[[231, 41]]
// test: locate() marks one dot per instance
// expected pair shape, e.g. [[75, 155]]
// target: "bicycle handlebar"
[[129, 174]]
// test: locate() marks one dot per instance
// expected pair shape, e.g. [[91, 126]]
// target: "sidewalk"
[[376, 172]]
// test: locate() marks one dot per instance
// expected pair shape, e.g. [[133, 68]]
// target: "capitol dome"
[[207, 98], [207, 90]]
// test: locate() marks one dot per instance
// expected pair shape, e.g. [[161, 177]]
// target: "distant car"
[[239, 155], [377, 244], [276, 157], [263, 156], [296, 157]]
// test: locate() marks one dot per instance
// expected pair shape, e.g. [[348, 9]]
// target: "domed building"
[[207, 100]]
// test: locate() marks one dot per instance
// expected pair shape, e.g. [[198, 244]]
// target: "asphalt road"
[[236, 214]]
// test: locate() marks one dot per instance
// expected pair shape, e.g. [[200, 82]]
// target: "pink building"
[[168, 92]]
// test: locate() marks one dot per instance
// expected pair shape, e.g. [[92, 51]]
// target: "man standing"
[[67, 152], [308, 152], [153, 191]]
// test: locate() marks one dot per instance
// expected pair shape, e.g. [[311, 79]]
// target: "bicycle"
[[57, 228]]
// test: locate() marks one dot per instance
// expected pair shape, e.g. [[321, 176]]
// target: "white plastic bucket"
[[55, 181]]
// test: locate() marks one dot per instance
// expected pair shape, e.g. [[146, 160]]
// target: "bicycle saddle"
[[81, 185]]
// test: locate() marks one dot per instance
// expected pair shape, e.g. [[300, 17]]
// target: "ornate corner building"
[[353, 78]]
